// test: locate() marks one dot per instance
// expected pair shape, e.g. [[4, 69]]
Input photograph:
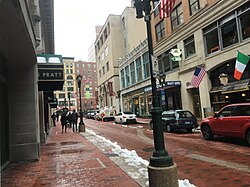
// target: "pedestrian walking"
[[64, 121], [70, 119], [53, 117], [74, 120], [57, 116]]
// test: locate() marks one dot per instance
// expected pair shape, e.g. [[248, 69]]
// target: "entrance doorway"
[[196, 102]]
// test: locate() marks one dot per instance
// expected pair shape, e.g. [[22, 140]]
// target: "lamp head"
[[79, 78]]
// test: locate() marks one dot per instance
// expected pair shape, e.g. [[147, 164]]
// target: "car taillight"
[[124, 116]]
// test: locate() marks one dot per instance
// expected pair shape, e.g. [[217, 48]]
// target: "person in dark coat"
[[53, 117], [74, 116], [64, 121], [70, 119], [57, 116]]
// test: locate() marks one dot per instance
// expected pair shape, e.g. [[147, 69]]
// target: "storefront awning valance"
[[216, 89], [231, 87], [236, 86]]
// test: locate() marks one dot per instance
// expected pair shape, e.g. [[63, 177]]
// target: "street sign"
[[176, 53]]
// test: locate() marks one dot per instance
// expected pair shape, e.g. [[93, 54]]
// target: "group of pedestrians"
[[67, 119]]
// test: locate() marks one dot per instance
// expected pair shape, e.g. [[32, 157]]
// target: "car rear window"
[[168, 114], [185, 114]]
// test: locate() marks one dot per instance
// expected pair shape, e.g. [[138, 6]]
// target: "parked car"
[[125, 117], [91, 114], [232, 121], [178, 119]]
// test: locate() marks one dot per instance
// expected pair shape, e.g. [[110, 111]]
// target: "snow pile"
[[132, 159]]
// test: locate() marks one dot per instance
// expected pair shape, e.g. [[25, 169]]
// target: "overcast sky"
[[75, 22]]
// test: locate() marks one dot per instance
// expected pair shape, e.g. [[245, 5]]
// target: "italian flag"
[[240, 65]]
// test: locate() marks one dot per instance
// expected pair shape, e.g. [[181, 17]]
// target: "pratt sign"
[[49, 74]]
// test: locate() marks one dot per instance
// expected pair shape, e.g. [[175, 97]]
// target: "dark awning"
[[236, 86]]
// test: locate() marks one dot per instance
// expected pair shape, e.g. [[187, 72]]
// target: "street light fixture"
[[81, 124], [161, 170]]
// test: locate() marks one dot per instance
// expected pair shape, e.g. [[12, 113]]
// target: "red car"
[[232, 121]]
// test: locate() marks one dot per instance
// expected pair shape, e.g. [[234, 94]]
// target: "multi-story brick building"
[[88, 85]]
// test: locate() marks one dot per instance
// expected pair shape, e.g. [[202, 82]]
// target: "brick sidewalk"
[[67, 159]]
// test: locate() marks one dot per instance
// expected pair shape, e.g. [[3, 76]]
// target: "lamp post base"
[[81, 128], [163, 176]]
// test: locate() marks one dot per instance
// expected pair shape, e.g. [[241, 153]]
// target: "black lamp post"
[[69, 99], [162, 171], [162, 77], [81, 124], [65, 103]]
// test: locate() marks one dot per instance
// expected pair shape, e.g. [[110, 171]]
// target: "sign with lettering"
[[173, 83], [50, 74]]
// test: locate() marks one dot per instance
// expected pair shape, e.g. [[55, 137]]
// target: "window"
[[71, 71], [103, 70], [70, 65], [77, 71], [69, 77], [138, 69], [160, 30], [67, 70], [146, 67], [245, 25], [106, 51], [83, 65], [165, 63], [211, 39], [70, 83], [122, 78], [107, 66], [77, 65], [89, 71], [67, 66], [102, 56], [61, 95], [89, 65], [132, 72], [177, 16], [127, 76], [70, 88], [189, 46], [157, 10], [229, 32], [100, 73], [194, 6]]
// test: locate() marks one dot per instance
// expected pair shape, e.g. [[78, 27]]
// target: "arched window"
[[69, 77]]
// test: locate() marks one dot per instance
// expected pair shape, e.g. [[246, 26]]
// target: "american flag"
[[198, 75], [166, 8]]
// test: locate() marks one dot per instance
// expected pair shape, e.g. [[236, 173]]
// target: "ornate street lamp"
[[69, 99], [81, 124], [161, 170]]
